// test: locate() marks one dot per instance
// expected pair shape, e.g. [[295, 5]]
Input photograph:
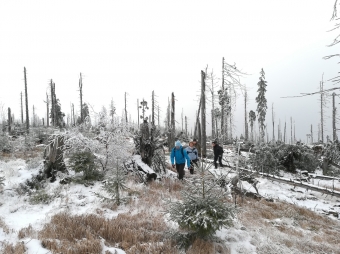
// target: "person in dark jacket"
[[179, 155], [218, 153], [193, 155]]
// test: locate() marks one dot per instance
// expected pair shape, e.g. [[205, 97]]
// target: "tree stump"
[[54, 157]]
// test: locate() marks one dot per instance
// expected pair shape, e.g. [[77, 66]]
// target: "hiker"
[[218, 153], [179, 155], [193, 155], [198, 147]]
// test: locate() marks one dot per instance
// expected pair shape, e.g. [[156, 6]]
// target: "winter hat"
[[178, 143]]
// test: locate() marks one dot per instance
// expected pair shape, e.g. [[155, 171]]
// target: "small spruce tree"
[[114, 186], [203, 209]]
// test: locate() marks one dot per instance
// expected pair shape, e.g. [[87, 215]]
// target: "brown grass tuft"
[[19, 248], [26, 232], [140, 233], [305, 230], [4, 227]]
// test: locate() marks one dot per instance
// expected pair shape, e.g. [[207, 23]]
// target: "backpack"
[[181, 151]]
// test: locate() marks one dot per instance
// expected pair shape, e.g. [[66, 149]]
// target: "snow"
[[16, 212]]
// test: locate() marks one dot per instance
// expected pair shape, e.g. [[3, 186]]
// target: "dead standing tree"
[[227, 94], [81, 98], [9, 121], [204, 133], [22, 110], [26, 99]]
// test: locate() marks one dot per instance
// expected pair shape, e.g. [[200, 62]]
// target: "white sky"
[[140, 46]]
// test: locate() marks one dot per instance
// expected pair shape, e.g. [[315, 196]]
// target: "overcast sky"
[[140, 46]]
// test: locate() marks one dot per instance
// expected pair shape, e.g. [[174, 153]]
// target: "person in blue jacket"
[[193, 155], [179, 155]]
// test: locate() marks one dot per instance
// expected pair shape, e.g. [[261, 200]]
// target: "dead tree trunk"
[[246, 134], [52, 104], [334, 119], [138, 112], [291, 130], [273, 122], [171, 130], [33, 118], [9, 121], [197, 119], [186, 126], [204, 133], [322, 104], [212, 107], [153, 108], [47, 108], [311, 132], [126, 120], [26, 98], [285, 133], [74, 118], [81, 98], [22, 110], [222, 106]]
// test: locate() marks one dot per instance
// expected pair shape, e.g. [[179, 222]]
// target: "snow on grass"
[[17, 213]]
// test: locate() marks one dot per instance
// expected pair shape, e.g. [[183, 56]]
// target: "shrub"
[[40, 197], [84, 162]]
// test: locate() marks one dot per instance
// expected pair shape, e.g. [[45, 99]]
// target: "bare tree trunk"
[[9, 121], [285, 133], [74, 118], [197, 119], [126, 120], [158, 117], [291, 130], [273, 122], [222, 106], [212, 107], [245, 117], [52, 105], [182, 119], [294, 133], [172, 135], [168, 115], [138, 112], [47, 108], [26, 98], [322, 102], [333, 119], [81, 98], [311, 132], [22, 110], [204, 133], [186, 126], [33, 118], [153, 108]]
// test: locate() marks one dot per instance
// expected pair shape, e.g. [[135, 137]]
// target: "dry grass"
[[307, 232], [4, 227], [204, 247], [35, 152], [26, 232], [140, 233], [7, 248]]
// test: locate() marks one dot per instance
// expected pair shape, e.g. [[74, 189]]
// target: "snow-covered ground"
[[16, 212]]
